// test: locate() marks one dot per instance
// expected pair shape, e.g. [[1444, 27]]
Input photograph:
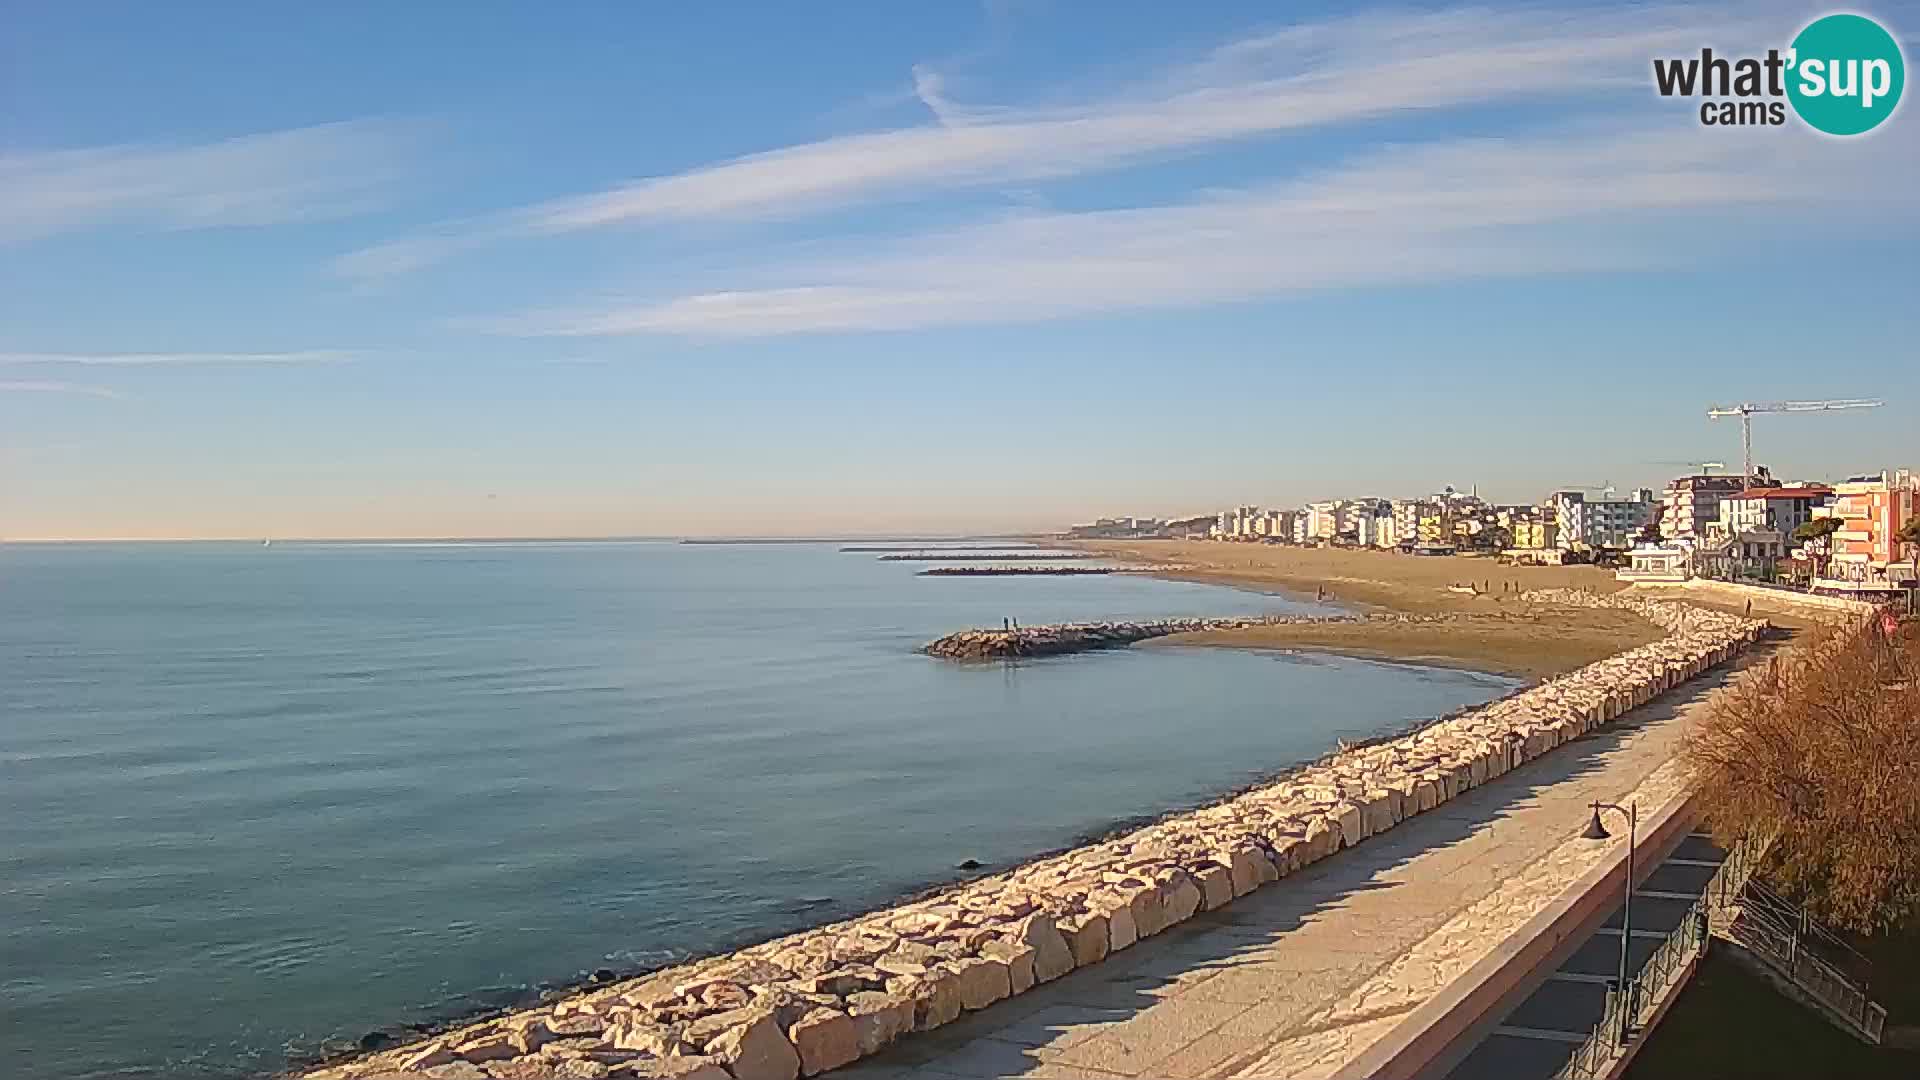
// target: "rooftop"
[[1806, 492]]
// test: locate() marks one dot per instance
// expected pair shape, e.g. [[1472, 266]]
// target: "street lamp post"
[[1598, 831]]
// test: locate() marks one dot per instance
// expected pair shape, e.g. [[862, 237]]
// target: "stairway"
[[1802, 958]]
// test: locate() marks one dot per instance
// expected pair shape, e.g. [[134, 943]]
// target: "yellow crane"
[[1746, 410]]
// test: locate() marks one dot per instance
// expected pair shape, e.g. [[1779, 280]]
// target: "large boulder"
[[1052, 957], [983, 980], [883, 1018], [825, 1039], [757, 1050], [1088, 938]]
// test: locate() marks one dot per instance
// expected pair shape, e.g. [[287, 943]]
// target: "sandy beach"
[[1489, 630]]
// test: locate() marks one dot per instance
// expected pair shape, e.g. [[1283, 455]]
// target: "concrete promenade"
[[1299, 979]]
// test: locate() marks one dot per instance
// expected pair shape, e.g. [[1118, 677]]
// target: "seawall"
[[809, 1002], [1811, 605]]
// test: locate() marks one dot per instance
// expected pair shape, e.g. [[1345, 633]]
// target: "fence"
[[1624, 1012], [1830, 971]]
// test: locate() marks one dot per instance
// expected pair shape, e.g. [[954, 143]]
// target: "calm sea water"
[[256, 799]]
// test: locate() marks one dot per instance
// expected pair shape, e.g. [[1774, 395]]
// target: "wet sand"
[[1488, 631]]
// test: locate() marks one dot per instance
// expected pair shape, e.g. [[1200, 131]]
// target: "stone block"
[[936, 998], [1087, 935], [428, 1056], [1216, 886], [1263, 860], [757, 1050], [1242, 868], [1378, 810], [494, 1047], [1322, 840], [1149, 912], [1351, 823], [633, 1032], [983, 981], [1288, 852], [883, 1017], [1182, 899], [1426, 793], [825, 1039], [1403, 805], [1018, 956], [1121, 932], [1052, 958]]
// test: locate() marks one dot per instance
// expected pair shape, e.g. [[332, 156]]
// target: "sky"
[[359, 269]]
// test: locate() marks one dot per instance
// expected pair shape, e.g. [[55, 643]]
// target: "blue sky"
[[376, 269]]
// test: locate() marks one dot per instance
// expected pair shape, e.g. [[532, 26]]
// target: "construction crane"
[[1746, 410], [1706, 467]]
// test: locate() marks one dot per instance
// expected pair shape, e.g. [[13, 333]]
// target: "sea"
[[259, 802]]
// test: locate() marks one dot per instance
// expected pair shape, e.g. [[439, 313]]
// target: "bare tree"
[[1823, 745]]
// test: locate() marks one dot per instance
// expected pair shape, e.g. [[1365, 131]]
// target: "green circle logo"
[[1846, 74]]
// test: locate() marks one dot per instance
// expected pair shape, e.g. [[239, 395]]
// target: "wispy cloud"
[[240, 359], [45, 386], [1337, 72], [1458, 209], [262, 179]]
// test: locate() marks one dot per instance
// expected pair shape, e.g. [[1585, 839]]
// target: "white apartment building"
[[1608, 521], [1781, 509], [1386, 530], [1406, 518], [1323, 520]]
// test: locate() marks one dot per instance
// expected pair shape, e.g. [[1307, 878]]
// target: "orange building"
[[1871, 509]]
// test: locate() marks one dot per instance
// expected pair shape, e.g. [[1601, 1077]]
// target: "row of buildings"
[[1700, 524], [1860, 535]]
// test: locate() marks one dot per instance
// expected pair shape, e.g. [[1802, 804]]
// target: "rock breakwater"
[[813, 1001], [1060, 638], [1027, 571], [1057, 556]]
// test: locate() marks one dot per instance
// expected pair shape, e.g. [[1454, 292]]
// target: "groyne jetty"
[[869, 548], [813, 1001], [1029, 571], [1060, 638], [1027, 556]]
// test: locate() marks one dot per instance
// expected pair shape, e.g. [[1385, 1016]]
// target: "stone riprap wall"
[[1055, 639], [812, 1001]]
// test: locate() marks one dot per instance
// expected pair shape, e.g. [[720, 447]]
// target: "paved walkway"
[[1296, 979], [1535, 1038]]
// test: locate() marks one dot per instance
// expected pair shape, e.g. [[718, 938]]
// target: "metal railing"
[[1593, 1057], [1780, 933], [1731, 880], [1625, 1012]]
